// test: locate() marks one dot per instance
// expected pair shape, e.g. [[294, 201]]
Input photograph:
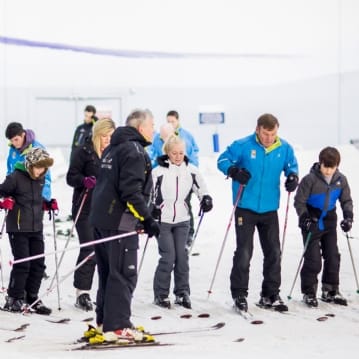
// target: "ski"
[[21, 328], [10, 340], [248, 316], [110, 345], [192, 330]]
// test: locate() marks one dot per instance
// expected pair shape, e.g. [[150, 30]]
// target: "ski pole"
[[352, 260], [49, 290], [196, 232], [239, 195], [300, 264], [70, 235], [285, 226], [3, 289], [143, 256], [56, 261], [91, 243]]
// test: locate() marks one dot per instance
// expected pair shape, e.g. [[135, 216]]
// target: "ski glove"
[[7, 203], [346, 224], [89, 182], [206, 203], [240, 175], [307, 223], [50, 205], [156, 213], [291, 182], [151, 227]]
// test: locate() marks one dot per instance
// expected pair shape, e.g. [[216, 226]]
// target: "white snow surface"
[[296, 334]]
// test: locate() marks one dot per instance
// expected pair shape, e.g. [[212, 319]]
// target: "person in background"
[[83, 170], [174, 179], [156, 148], [21, 142], [255, 164], [24, 225], [84, 130], [315, 203], [120, 203], [192, 155]]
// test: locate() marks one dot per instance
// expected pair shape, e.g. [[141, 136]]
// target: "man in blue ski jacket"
[[255, 164]]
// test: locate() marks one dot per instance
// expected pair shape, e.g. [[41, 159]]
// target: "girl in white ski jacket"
[[174, 179]]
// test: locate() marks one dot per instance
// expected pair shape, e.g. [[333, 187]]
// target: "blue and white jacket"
[[18, 155], [262, 193]]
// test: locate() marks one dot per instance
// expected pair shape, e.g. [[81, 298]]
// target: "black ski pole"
[[285, 227], [239, 195], [352, 260], [300, 264], [143, 256], [196, 232]]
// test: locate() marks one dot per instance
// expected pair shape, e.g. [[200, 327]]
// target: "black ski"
[[21, 328], [109, 346], [192, 330], [10, 340]]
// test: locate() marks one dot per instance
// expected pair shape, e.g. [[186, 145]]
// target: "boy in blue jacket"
[[315, 203], [255, 164]]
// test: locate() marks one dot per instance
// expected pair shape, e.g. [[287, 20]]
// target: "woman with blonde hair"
[[82, 173], [174, 179]]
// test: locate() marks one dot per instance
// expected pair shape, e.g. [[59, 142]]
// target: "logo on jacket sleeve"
[[253, 154]]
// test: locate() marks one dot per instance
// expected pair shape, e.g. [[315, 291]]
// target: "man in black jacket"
[[119, 203]]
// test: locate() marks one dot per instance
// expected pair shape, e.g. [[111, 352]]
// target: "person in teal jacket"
[[255, 164], [21, 141]]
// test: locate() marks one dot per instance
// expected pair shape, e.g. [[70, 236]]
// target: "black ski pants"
[[83, 276], [267, 224], [26, 277], [117, 276], [321, 244]]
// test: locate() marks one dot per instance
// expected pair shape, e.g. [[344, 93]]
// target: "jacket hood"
[[127, 133]]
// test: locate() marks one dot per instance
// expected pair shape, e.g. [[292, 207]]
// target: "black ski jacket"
[[27, 214], [84, 163], [124, 182]]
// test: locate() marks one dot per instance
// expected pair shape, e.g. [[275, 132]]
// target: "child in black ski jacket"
[[24, 216], [315, 203]]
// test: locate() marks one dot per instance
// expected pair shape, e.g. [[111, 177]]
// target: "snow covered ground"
[[296, 335]]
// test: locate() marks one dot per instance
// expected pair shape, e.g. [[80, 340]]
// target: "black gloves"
[[240, 175], [346, 224], [156, 213], [307, 223], [151, 227], [291, 182], [207, 203]]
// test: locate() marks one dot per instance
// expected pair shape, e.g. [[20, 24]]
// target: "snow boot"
[[162, 301], [183, 300], [273, 302], [240, 303], [14, 304], [310, 300], [84, 302], [334, 297]]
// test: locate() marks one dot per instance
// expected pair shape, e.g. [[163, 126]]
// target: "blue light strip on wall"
[[127, 53]]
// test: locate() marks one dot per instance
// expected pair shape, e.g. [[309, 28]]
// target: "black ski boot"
[[162, 301], [240, 303], [334, 297], [183, 300], [310, 300], [84, 302], [274, 302], [14, 304]]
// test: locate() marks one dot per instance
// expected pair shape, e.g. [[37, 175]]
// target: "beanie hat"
[[13, 129], [37, 157]]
